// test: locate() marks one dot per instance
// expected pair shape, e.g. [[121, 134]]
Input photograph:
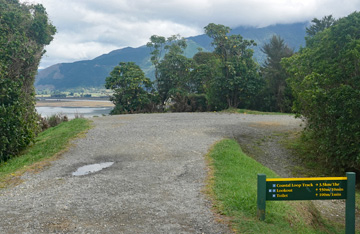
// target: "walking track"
[[154, 185]]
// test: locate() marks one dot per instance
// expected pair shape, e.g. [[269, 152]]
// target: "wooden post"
[[261, 196], [350, 204]]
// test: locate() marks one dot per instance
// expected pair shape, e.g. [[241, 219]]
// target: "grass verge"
[[309, 164], [252, 112], [49, 143], [232, 185]]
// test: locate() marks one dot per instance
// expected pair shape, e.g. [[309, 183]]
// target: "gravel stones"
[[154, 185]]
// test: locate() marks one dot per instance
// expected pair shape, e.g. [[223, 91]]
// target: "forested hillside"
[[92, 73]]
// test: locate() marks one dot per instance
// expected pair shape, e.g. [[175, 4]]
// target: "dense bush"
[[17, 122], [52, 121], [325, 79], [189, 103], [24, 31]]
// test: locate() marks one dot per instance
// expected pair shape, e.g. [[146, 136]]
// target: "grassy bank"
[[311, 165], [48, 144], [252, 112], [233, 187]]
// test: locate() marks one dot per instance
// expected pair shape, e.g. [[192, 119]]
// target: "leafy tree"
[[24, 31], [173, 69], [319, 25], [156, 44], [160, 45], [133, 92], [277, 93], [325, 80], [174, 76], [239, 81], [206, 68]]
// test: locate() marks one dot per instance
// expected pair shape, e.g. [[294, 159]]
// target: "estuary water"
[[71, 112]]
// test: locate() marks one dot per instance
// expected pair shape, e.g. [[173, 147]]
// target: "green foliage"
[[133, 92], [320, 25], [174, 75], [24, 31], [228, 77], [276, 95], [52, 121], [206, 69], [156, 44], [325, 79], [172, 70], [189, 103], [239, 81]]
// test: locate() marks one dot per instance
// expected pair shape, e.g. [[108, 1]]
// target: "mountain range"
[[92, 73]]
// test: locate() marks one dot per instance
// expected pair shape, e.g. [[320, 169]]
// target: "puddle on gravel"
[[91, 168]]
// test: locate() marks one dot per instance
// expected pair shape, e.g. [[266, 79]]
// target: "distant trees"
[[277, 95], [228, 77], [24, 31], [325, 80]]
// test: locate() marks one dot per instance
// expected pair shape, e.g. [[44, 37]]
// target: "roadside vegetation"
[[325, 80], [46, 146], [232, 185], [24, 32]]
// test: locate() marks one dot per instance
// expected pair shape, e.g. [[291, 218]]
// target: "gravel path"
[[154, 185]]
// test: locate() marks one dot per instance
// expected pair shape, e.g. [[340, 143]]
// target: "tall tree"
[[133, 92], [206, 68], [172, 68], [24, 31], [156, 45], [319, 25], [325, 79], [277, 93], [239, 80]]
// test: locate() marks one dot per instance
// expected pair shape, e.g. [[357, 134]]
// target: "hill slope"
[[92, 73]]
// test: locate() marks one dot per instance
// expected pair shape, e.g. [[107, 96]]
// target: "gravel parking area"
[[153, 186]]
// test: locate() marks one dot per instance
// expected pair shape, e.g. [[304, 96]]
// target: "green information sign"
[[306, 188], [318, 188]]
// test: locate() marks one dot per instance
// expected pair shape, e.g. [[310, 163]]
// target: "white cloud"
[[89, 28]]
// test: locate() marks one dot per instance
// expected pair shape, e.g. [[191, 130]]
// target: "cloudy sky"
[[89, 28]]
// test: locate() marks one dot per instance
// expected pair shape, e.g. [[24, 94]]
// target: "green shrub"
[[189, 103], [52, 121], [24, 31], [325, 79]]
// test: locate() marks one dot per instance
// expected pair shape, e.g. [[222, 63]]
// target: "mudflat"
[[73, 103]]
